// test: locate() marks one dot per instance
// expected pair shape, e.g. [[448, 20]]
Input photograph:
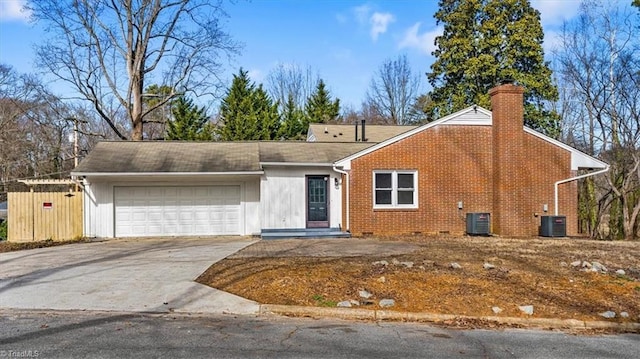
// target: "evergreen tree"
[[268, 118], [320, 108], [247, 112], [189, 123], [235, 110], [292, 121], [485, 42]]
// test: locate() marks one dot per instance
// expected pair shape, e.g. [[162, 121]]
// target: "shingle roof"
[[308, 152], [346, 133], [195, 157]]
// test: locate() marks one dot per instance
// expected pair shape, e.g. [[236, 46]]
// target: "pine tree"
[[320, 108], [485, 42], [189, 123], [247, 112], [268, 122], [292, 121]]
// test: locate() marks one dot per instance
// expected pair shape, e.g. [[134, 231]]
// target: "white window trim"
[[394, 189]]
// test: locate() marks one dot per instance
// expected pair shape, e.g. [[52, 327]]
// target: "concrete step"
[[304, 233]]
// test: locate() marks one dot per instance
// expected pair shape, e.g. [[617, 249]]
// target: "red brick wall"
[[509, 214], [545, 165], [455, 163]]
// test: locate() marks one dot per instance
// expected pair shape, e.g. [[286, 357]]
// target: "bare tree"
[[35, 127], [393, 92], [291, 80], [599, 67], [108, 49]]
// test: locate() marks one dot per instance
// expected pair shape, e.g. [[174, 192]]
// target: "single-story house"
[[416, 180]]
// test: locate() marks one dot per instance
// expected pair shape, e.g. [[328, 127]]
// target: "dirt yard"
[[13, 246], [419, 277]]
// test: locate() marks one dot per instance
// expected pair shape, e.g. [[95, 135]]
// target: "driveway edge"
[[390, 315]]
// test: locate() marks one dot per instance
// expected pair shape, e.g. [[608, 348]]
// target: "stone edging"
[[388, 315]]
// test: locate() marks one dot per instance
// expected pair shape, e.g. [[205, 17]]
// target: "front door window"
[[317, 201]]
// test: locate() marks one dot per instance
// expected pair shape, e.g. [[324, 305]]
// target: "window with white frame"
[[395, 189]]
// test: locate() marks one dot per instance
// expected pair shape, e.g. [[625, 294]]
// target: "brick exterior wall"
[[509, 198], [462, 163]]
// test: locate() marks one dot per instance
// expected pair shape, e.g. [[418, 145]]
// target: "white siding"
[[252, 211], [283, 197], [99, 198], [470, 118], [98, 209]]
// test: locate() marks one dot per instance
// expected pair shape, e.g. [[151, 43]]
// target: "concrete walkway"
[[133, 275]]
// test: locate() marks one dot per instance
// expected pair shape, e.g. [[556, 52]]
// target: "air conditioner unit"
[[553, 226], [478, 223]]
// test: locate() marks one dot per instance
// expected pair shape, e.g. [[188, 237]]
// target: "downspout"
[[346, 177], [555, 185]]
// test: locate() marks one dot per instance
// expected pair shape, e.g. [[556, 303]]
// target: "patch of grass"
[[3, 231], [321, 301]]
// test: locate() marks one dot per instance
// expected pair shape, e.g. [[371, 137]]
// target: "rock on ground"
[[608, 314], [455, 265], [526, 309], [598, 267], [621, 272], [344, 304], [386, 303], [496, 310], [364, 294], [488, 266]]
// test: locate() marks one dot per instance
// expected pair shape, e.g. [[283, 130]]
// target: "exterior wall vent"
[[553, 226], [478, 224]]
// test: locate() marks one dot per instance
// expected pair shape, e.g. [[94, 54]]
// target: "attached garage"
[[177, 210], [166, 188]]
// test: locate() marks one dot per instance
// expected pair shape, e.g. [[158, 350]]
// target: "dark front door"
[[317, 201]]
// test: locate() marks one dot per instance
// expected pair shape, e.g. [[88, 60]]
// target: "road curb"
[[390, 315]]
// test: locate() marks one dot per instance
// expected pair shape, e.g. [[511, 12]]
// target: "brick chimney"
[[509, 174]]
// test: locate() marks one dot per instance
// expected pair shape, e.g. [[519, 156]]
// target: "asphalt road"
[[111, 335]]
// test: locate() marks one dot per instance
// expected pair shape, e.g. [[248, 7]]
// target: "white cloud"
[[424, 42], [256, 75], [554, 12], [13, 10], [362, 13], [379, 22]]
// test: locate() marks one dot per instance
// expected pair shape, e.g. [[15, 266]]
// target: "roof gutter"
[[300, 164], [129, 174], [346, 177], [555, 185]]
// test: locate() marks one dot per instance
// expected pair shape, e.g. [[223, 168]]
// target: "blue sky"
[[343, 41]]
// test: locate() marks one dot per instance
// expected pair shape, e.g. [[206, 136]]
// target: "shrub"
[[3, 230]]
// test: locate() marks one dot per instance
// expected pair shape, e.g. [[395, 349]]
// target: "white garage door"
[[174, 211]]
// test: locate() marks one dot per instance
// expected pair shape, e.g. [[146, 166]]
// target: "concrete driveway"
[[133, 275]]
